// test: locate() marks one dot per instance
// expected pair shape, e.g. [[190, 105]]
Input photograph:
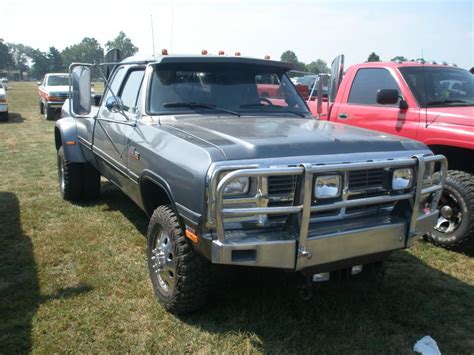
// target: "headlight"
[[328, 186], [238, 186], [402, 179]]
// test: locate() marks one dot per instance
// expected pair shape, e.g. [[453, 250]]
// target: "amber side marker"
[[191, 235], [70, 142]]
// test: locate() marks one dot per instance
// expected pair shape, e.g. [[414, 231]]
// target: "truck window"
[[130, 89], [366, 84], [440, 86], [247, 89], [115, 83]]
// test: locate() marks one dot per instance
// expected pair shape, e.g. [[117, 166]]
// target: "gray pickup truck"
[[224, 156]]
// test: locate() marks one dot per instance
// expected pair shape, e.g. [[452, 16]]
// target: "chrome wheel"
[[450, 214], [163, 261]]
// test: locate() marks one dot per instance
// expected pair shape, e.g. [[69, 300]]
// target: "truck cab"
[[432, 103]]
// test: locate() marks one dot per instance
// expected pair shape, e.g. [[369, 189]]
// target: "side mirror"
[[39, 83], [81, 90], [114, 104], [322, 79], [387, 97]]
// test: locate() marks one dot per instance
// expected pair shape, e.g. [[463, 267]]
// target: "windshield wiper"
[[440, 102], [199, 105], [280, 108]]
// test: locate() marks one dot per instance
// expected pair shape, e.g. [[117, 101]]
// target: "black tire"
[[49, 113], [3, 116], [41, 106], [69, 178], [458, 202], [180, 276], [91, 182]]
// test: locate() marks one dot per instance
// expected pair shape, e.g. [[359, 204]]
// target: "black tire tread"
[[192, 269], [466, 182], [72, 178]]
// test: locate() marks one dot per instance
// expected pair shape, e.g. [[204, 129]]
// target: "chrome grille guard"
[[305, 204]]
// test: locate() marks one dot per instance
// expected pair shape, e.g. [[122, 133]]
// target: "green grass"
[[73, 278]]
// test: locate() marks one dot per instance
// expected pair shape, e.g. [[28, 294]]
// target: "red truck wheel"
[[456, 220]]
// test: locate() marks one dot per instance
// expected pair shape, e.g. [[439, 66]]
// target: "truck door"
[[115, 126], [359, 106]]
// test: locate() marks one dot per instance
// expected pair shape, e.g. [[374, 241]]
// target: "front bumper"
[[3, 107], [309, 245]]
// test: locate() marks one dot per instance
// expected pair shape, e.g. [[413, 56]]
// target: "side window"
[[130, 89], [366, 84], [115, 83]]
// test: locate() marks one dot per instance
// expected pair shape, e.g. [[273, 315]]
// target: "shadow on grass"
[[356, 316], [14, 117], [19, 285]]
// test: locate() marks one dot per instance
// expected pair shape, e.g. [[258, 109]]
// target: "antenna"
[[152, 36], [172, 20]]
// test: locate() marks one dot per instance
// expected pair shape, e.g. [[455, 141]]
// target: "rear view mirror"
[[81, 90], [387, 97]]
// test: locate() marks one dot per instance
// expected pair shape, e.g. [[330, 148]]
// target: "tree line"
[[36, 63]]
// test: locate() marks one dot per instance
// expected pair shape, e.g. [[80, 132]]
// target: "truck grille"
[[281, 185], [281, 191], [363, 179]]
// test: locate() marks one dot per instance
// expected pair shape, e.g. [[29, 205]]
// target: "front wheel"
[[49, 113], [178, 274], [456, 211]]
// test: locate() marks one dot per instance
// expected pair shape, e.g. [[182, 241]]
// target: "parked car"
[[230, 177], [3, 102], [432, 103], [53, 90]]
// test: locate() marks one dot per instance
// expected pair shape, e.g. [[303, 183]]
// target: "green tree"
[[123, 43], [290, 57], [86, 51], [399, 58], [373, 57], [55, 60], [40, 64], [21, 55], [6, 60], [317, 67]]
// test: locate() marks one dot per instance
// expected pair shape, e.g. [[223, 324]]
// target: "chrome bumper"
[[309, 248]]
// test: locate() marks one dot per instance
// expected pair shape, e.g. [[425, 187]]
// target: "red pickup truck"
[[429, 102]]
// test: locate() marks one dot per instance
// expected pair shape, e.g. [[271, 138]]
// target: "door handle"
[[343, 116]]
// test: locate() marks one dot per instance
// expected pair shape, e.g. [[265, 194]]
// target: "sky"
[[440, 30]]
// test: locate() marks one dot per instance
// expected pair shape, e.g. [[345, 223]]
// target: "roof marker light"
[[204, 52], [267, 57], [237, 54], [164, 51], [221, 53]]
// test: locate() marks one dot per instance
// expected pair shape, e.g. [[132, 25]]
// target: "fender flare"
[[148, 175], [65, 135]]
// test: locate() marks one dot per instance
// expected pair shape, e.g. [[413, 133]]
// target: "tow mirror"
[[114, 104], [322, 79], [81, 90]]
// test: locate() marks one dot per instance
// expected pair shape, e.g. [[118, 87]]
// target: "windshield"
[[440, 86], [228, 88], [56, 80]]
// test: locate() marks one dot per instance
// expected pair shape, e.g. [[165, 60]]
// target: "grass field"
[[73, 278]]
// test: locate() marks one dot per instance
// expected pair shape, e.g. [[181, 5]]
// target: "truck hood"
[[271, 137], [463, 116]]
